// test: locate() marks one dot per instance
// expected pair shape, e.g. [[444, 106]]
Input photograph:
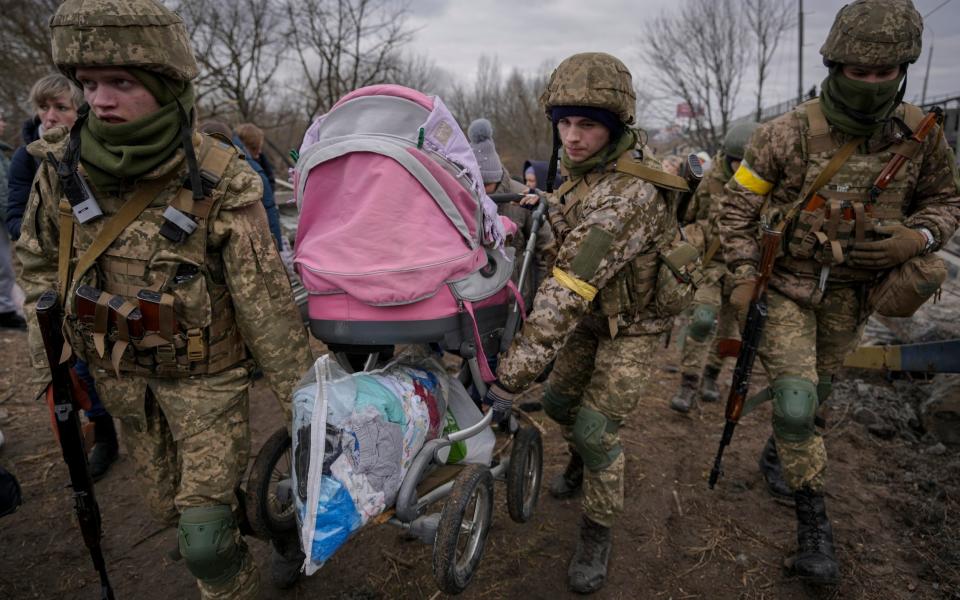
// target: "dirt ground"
[[893, 508]]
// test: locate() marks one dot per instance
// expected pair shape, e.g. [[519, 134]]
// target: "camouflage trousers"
[[189, 439], [714, 292], [810, 343], [607, 376]]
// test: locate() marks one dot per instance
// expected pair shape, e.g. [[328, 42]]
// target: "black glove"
[[500, 400]]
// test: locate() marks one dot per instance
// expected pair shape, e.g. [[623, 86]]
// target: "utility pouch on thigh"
[[908, 286], [678, 277]]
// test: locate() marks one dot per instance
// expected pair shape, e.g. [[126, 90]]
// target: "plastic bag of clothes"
[[363, 431]]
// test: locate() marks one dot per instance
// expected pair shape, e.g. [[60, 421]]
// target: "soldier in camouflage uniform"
[[817, 307], [712, 315], [594, 313], [223, 301]]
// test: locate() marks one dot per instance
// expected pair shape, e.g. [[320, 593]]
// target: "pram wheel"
[[269, 506], [464, 523], [524, 474]]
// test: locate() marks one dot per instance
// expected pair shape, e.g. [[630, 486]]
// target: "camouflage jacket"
[[239, 255], [704, 207], [618, 218], [546, 248], [778, 165]]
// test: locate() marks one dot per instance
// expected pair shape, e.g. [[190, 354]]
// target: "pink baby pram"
[[397, 242]]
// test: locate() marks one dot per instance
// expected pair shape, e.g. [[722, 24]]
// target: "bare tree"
[[768, 19], [342, 45], [25, 46], [699, 55], [239, 45]]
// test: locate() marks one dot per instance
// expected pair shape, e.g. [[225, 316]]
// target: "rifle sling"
[[711, 250], [130, 210]]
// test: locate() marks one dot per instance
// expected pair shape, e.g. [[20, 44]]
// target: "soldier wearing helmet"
[[597, 312], [845, 244], [182, 230], [712, 314]]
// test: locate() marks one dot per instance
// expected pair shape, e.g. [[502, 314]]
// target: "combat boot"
[[814, 561], [568, 483], [772, 472], [588, 567], [105, 448], [709, 392], [286, 560], [686, 396]]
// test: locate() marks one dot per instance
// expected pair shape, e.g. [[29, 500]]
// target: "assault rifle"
[[749, 344], [67, 421]]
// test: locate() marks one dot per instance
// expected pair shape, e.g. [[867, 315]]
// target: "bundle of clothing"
[[373, 424]]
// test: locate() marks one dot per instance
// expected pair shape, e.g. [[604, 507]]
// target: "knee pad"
[[824, 387], [208, 545], [588, 433], [559, 407], [794, 408], [702, 322]]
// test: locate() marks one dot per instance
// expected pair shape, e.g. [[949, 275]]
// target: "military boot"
[[286, 560], [709, 392], [772, 472], [588, 567], [686, 397], [105, 448], [568, 483], [814, 561]]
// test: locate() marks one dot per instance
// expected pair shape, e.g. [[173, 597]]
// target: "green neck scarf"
[[116, 155], [857, 107], [578, 169]]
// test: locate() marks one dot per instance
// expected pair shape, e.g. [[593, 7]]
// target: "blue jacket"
[[269, 204], [23, 168]]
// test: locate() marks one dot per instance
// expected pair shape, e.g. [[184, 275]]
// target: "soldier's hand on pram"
[[530, 200], [500, 400]]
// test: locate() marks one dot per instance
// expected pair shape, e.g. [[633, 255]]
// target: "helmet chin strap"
[[552, 165]]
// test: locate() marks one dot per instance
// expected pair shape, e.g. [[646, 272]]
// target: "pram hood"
[[391, 201]]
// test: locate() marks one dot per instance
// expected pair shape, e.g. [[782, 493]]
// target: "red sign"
[[685, 111]]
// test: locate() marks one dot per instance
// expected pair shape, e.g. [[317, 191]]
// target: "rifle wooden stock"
[[67, 420], [896, 163], [749, 346]]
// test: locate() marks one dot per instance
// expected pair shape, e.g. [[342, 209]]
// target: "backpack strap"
[[818, 130], [909, 147], [215, 157], [629, 165]]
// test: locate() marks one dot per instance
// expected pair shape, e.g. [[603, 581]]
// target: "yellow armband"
[[578, 286], [751, 181]]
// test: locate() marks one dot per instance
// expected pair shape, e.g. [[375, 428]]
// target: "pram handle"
[[513, 319], [506, 198]]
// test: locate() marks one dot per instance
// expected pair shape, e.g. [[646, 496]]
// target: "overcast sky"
[[526, 33]]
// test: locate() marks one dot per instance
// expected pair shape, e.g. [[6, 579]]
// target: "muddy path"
[[893, 509]]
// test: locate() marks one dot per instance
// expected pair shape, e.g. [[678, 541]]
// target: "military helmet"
[[592, 79], [874, 33], [121, 33], [735, 142]]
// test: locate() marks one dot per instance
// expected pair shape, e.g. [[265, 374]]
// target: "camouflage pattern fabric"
[[637, 220], [715, 292], [924, 194], [110, 33], [608, 376], [804, 342], [192, 442], [180, 470], [875, 33], [592, 79]]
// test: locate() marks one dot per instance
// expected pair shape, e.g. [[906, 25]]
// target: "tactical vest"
[[627, 296], [191, 329], [825, 234]]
